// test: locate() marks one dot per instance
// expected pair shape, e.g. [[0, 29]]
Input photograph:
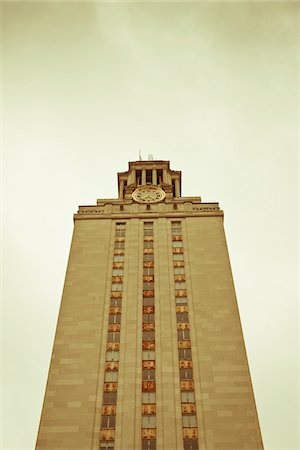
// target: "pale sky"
[[210, 87]]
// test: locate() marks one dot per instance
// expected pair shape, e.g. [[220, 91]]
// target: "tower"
[[149, 352]]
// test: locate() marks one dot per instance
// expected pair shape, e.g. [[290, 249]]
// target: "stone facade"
[[223, 413]]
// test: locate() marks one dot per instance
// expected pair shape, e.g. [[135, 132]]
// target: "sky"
[[210, 86]]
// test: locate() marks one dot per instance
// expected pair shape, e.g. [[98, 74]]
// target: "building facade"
[[149, 351]]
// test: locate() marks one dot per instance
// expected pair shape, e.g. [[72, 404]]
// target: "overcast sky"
[[210, 87]]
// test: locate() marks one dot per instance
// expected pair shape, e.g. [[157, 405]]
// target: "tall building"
[[149, 351]]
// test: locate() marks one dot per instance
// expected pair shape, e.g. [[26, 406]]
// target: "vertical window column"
[[188, 405], [148, 343], [110, 388]]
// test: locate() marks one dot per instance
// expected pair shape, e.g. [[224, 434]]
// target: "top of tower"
[[149, 173]]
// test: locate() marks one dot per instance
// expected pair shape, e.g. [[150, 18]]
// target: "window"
[[183, 334], [178, 270], [120, 225], [182, 317], [114, 336], [148, 285], [106, 446], [148, 176], [187, 397], [190, 444], [189, 421], [111, 376], [138, 177], [148, 336], [115, 318], [148, 301], [185, 353], [117, 272], [148, 355], [148, 374], [186, 374], [117, 287], [108, 421], [181, 300], [180, 285], [178, 257], [150, 257], [148, 232], [112, 356], [118, 258], [148, 244], [120, 233], [115, 302], [148, 397], [119, 244], [148, 421], [148, 318], [176, 244], [109, 398], [148, 271], [148, 444]]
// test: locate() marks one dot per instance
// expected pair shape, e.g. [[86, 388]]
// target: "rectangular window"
[[114, 318], [176, 244], [148, 271], [148, 285], [187, 397], [148, 397], [112, 356], [179, 270], [183, 334], [186, 374], [113, 337], [148, 421], [115, 302], [178, 257], [109, 398], [148, 336], [181, 300], [189, 421], [148, 318], [148, 355], [106, 446], [119, 244], [117, 272], [182, 317], [148, 244], [108, 421], [185, 353], [180, 285], [118, 258], [148, 301], [120, 225], [150, 257], [117, 287], [148, 374], [111, 376]]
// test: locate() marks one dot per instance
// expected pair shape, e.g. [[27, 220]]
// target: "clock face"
[[149, 194]]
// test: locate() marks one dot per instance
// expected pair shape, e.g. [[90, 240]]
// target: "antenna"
[[150, 157], [140, 155]]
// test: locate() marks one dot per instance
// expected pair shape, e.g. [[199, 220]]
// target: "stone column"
[[121, 191], [154, 176], [143, 176], [177, 188]]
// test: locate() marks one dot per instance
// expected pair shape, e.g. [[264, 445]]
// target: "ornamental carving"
[[110, 387], [146, 364], [184, 344], [114, 327], [113, 346], [109, 410], [115, 294], [188, 408], [148, 309], [111, 366], [148, 409], [148, 345], [148, 386], [176, 238], [107, 435], [148, 238], [190, 433], [115, 310], [187, 385], [119, 251], [181, 308], [118, 265], [179, 277], [149, 264], [180, 293], [148, 433], [185, 364], [148, 251], [148, 278], [117, 280], [120, 239], [148, 327], [178, 263], [178, 250], [183, 326]]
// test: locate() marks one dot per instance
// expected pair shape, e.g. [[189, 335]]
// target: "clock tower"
[[149, 351]]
